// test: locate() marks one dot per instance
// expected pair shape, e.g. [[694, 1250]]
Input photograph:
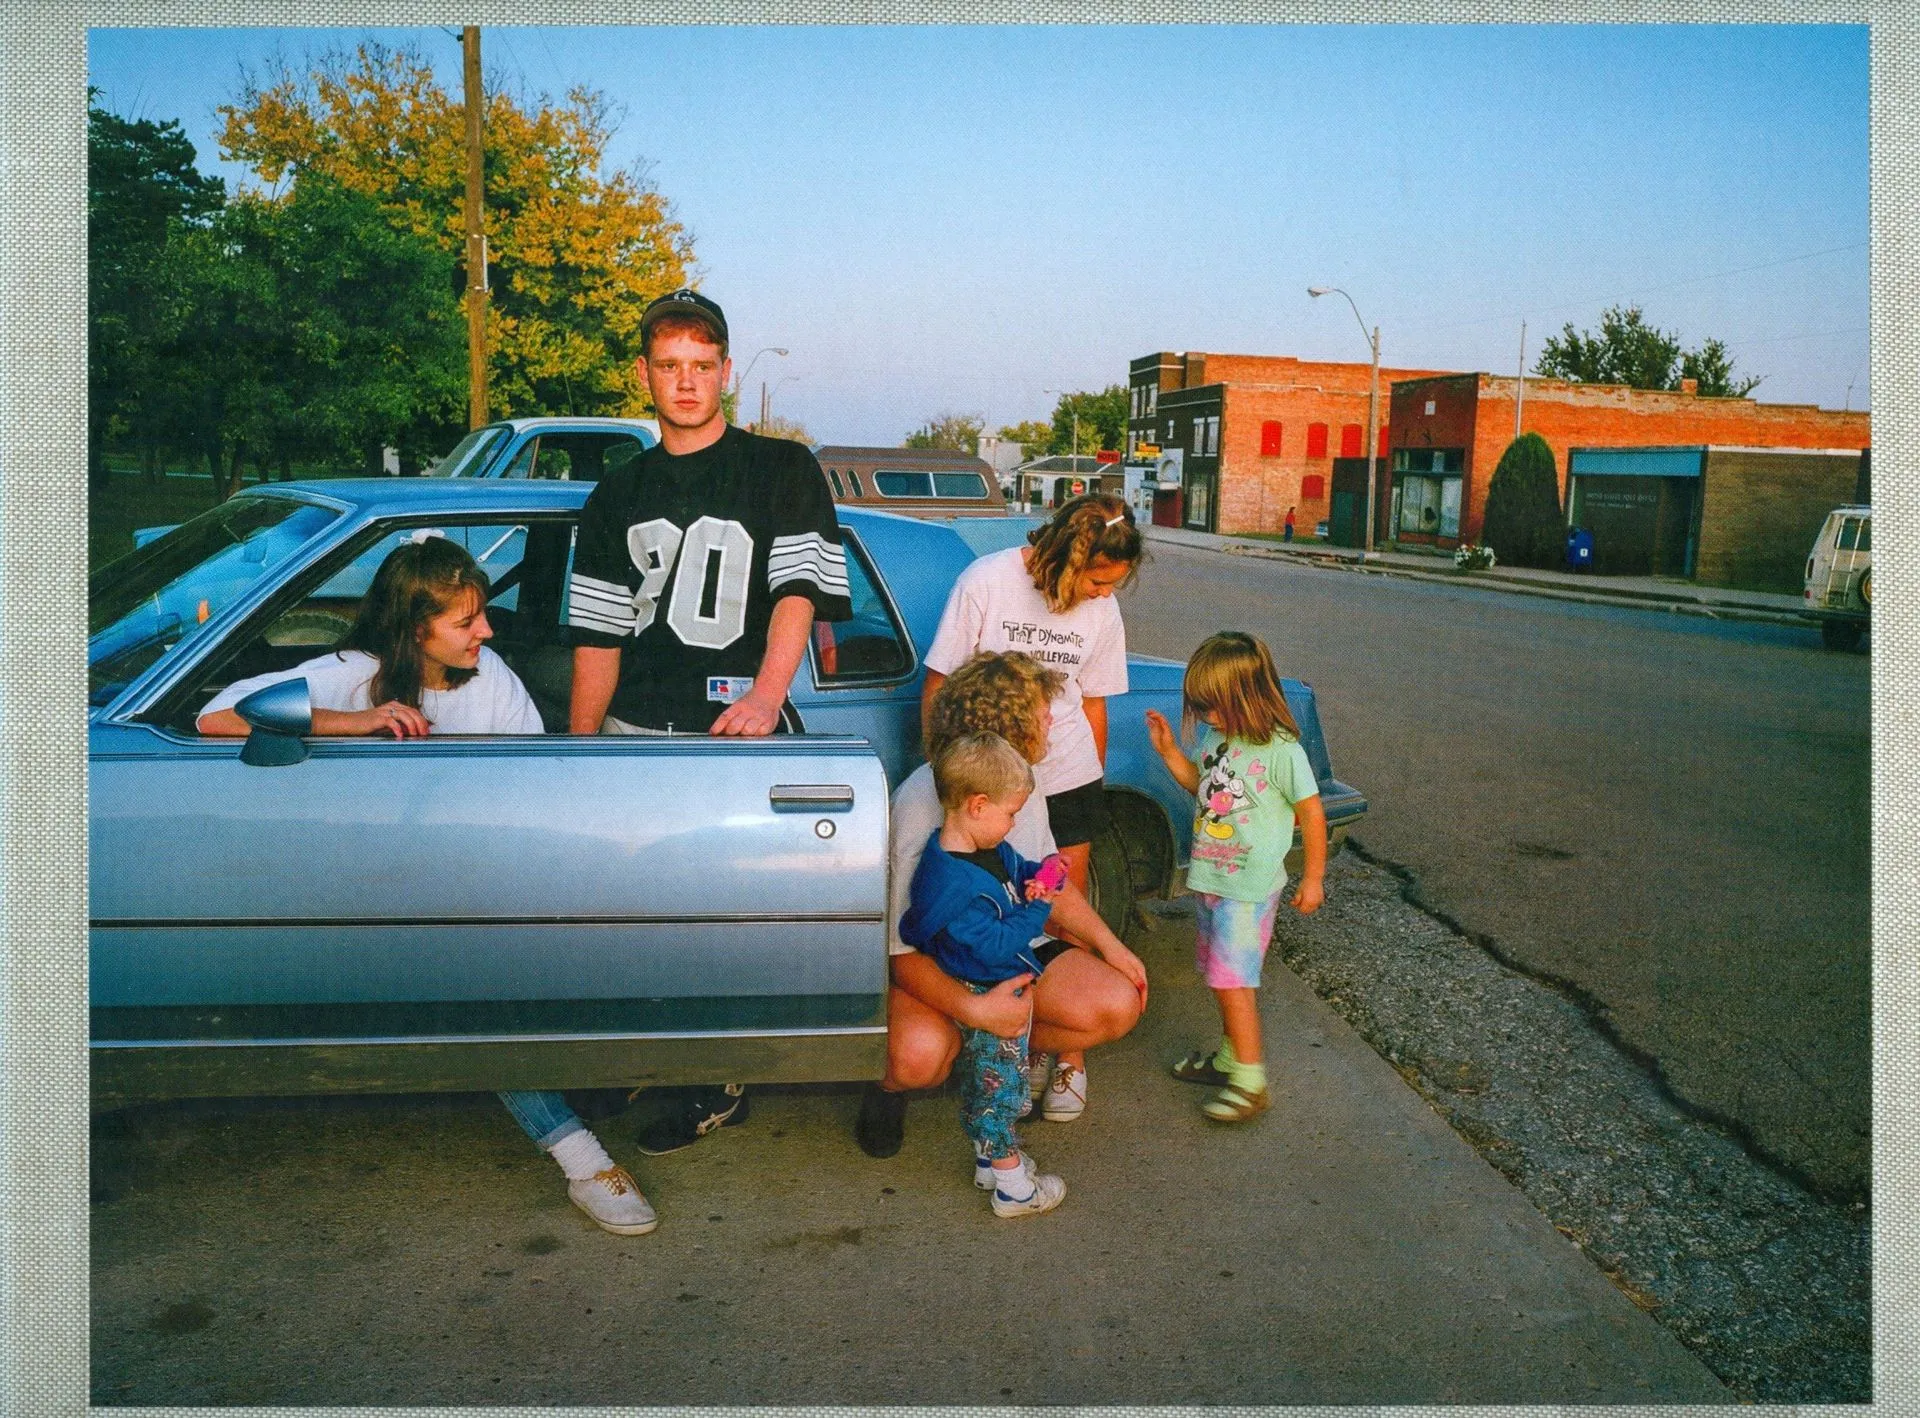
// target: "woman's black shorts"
[[1078, 814]]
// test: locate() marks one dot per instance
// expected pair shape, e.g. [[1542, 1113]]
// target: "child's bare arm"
[[1313, 841], [1168, 747]]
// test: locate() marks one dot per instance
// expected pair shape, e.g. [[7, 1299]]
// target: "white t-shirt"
[[492, 702], [917, 815], [995, 607]]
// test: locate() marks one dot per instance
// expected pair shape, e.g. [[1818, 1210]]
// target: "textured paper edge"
[[43, 1126]]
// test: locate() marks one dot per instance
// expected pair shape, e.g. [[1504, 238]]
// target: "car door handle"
[[811, 797]]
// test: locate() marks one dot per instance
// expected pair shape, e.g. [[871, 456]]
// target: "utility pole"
[[476, 232], [1520, 386]]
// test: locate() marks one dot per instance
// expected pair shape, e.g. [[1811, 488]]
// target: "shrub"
[[1524, 524], [1468, 557]]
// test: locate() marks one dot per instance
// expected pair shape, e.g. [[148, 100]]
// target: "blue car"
[[512, 911]]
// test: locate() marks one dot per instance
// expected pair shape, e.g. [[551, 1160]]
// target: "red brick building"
[[1450, 430], [1253, 434]]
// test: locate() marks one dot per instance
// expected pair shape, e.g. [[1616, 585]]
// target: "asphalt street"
[[1347, 1247], [1666, 815]]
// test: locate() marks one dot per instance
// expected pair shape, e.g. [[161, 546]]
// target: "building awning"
[[1635, 462]]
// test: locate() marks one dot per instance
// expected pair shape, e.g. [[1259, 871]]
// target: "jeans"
[[544, 1116]]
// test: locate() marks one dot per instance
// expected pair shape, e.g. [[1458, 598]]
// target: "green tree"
[[1102, 420], [1629, 351], [143, 192], [575, 251], [1035, 438], [1523, 523], [960, 432], [307, 326]]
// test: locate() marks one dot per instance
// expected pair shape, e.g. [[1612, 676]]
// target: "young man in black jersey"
[[699, 570]]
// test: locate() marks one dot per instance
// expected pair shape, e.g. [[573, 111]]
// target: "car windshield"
[[140, 606], [471, 453]]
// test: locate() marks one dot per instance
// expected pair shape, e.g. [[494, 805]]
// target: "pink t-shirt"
[[994, 606]]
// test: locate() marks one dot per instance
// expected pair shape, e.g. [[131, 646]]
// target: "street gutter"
[[1494, 581]]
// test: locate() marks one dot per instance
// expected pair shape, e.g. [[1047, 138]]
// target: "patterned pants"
[[993, 1086]]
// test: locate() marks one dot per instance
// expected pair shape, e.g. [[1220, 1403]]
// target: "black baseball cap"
[[686, 303]]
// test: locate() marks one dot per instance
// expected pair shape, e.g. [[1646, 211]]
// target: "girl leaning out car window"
[[416, 662]]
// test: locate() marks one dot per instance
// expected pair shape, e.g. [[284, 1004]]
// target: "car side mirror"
[[281, 715]]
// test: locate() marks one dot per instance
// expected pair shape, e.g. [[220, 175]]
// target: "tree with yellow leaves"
[[574, 253]]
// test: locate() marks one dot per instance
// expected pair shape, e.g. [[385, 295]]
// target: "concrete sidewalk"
[[1638, 592], [1346, 1248]]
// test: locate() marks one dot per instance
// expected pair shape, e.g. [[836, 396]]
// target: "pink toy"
[[1053, 873]]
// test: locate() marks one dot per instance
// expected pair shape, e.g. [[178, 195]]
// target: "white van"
[[1839, 584]]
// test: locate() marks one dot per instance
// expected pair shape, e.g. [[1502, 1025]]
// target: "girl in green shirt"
[[1251, 783]]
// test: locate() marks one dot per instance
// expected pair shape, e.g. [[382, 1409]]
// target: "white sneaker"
[[1066, 1096], [1048, 1192], [1039, 1070], [983, 1168], [612, 1198]]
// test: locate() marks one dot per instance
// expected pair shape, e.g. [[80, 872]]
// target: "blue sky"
[[938, 219]]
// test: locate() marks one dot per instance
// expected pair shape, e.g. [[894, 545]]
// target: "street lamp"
[[766, 400], [1373, 404], [740, 379]]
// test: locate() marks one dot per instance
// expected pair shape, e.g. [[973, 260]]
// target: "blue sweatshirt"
[[972, 926]]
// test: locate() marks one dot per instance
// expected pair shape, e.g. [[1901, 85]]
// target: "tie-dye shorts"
[[1230, 939]]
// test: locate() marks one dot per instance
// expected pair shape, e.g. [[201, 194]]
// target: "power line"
[[1646, 290]]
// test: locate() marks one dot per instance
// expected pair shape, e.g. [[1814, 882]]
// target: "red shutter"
[[1316, 440], [1270, 439], [1381, 450], [1353, 441], [1313, 488]]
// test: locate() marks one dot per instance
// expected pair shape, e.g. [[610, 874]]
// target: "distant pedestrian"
[[1251, 783], [978, 909], [1286, 530]]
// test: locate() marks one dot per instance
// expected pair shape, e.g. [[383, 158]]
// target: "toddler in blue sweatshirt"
[[976, 909]]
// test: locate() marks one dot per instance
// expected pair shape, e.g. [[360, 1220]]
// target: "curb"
[[1622, 600]]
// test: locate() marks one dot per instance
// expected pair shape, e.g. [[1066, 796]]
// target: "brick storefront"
[[1457, 426], [1257, 433]]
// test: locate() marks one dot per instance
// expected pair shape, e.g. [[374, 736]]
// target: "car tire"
[[1110, 880], [1840, 634], [1863, 590]]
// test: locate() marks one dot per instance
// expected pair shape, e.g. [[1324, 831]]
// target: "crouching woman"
[[1091, 989]]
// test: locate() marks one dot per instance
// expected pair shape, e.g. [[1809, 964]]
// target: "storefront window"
[[1430, 506]]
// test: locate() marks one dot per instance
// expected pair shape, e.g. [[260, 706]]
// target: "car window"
[[853, 477], [873, 644], [522, 464], [1866, 536], [834, 478], [471, 453], [318, 607], [892, 483], [588, 456], [959, 485], [142, 605]]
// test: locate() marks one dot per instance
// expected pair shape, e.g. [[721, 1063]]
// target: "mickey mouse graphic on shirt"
[[1226, 802]]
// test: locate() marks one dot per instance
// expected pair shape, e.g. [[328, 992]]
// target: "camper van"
[[911, 480], [1839, 581]]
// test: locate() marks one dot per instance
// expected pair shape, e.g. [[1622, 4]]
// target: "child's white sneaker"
[[612, 1198], [983, 1167], [1045, 1191]]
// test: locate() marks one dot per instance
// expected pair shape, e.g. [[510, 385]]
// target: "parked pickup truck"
[[555, 448], [513, 911]]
